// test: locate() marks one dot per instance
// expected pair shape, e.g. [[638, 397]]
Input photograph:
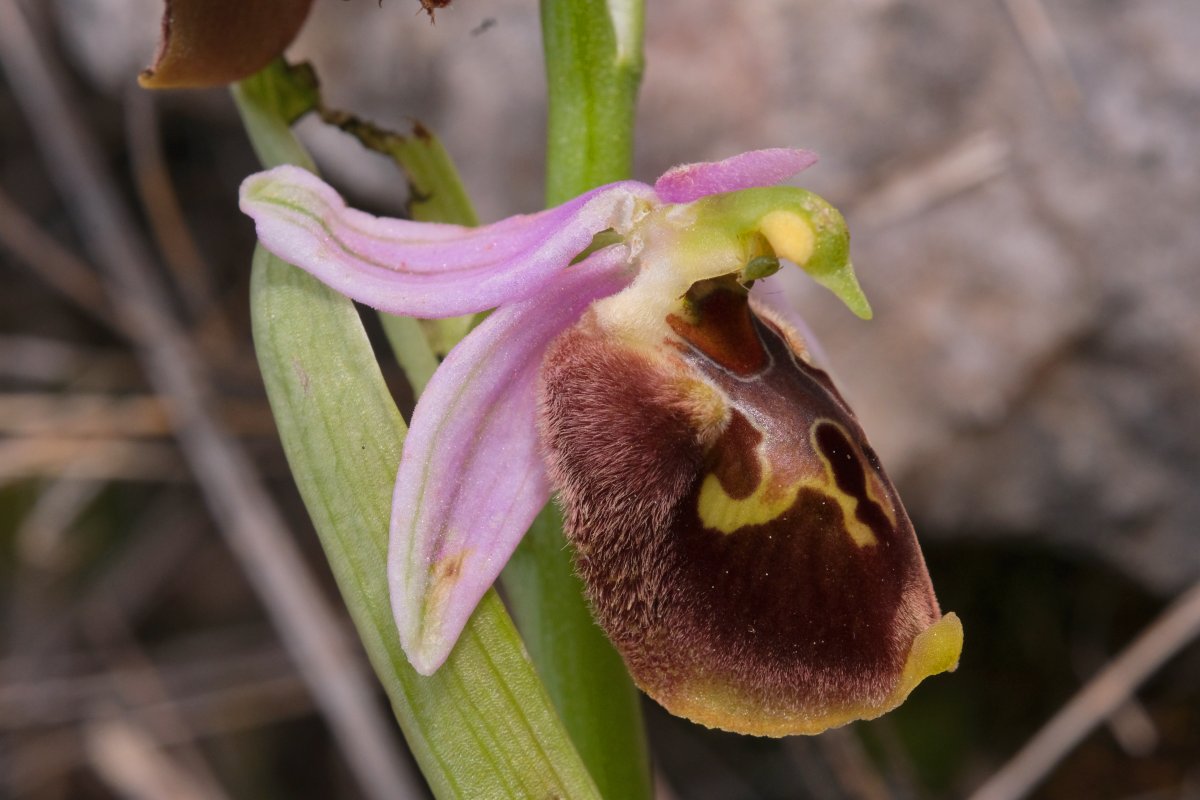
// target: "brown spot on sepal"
[[444, 574], [782, 627]]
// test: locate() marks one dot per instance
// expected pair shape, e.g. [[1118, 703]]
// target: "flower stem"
[[593, 66]]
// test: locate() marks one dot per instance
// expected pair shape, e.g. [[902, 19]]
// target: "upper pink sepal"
[[754, 169], [471, 477], [423, 269]]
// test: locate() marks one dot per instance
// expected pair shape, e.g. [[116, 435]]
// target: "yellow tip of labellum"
[[934, 651]]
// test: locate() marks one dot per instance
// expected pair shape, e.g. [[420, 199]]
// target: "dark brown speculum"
[[739, 541]]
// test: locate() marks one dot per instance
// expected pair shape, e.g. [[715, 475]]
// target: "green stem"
[[483, 725], [593, 67]]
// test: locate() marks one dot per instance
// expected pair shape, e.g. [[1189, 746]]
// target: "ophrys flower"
[[738, 539]]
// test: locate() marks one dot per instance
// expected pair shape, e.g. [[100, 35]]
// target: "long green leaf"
[[483, 725]]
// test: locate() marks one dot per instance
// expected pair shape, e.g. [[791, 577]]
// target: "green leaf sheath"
[[438, 192], [593, 66], [268, 103], [483, 726]]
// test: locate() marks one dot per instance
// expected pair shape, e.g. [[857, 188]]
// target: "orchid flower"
[[737, 537]]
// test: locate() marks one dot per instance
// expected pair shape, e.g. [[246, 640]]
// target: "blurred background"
[[1022, 182]]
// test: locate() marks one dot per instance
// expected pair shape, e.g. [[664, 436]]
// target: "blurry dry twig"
[[1103, 695], [234, 706], [93, 459], [135, 679], [131, 762], [159, 540], [1134, 729], [896, 762], [175, 241], [238, 689], [236, 498], [972, 161], [857, 777], [55, 264], [157, 195], [41, 533], [84, 414], [1046, 51], [40, 361]]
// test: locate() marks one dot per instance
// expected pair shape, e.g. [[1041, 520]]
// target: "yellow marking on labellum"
[[860, 533], [789, 234], [717, 704], [720, 512]]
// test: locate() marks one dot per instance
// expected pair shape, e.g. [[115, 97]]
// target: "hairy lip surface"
[[789, 603]]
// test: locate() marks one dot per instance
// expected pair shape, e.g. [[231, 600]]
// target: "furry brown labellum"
[[738, 539]]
